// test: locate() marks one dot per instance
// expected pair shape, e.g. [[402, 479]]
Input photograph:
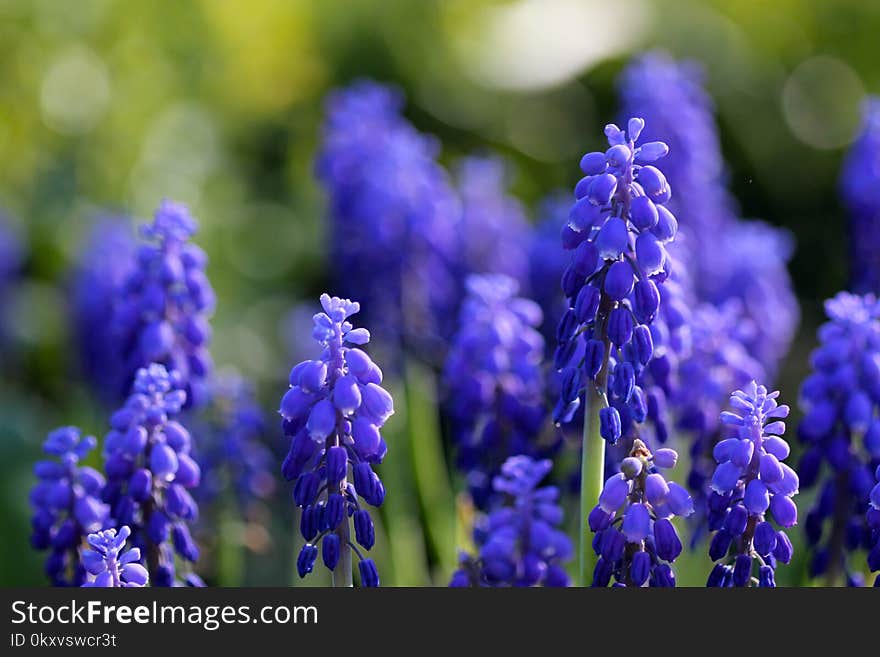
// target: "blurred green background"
[[112, 105]]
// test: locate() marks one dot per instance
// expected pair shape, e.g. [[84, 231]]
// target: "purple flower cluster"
[[634, 535], [519, 542], [109, 564], [333, 413], [494, 229], [162, 310], [67, 504], [11, 258], [860, 188], [394, 216], [617, 233], [232, 451], [728, 260], [873, 518], [841, 431], [103, 265], [547, 261], [150, 472], [750, 480], [494, 382]]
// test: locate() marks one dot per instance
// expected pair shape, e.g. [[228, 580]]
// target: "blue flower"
[[618, 231], [634, 536], [232, 451], [109, 565], [873, 518], [394, 217], [494, 383], [162, 311], [860, 189], [150, 472], [728, 260], [546, 261], [494, 232], [751, 480], [11, 260], [519, 542], [841, 431], [67, 504], [104, 263], [333, 412]]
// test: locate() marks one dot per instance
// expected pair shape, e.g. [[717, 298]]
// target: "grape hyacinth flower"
[[860, 189], [161, 314], [728, 260], [150, 472], [617, 232], [841, 432], [394, 217], [494, 230], [873, 518], [103, 264], [110, 566], [333, 413], [635, 539], [751, 480], [494, 382], [67, 504], [519, 542], [232, 452]]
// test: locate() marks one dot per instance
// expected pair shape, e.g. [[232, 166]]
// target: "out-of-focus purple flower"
[[749, 482], [860, 189], [841, 432], [66, 503], [494, 229], [519, 542], [232, 450], [634, 536], [104, 263], [727, 259], [395, 218], [617, 233], [11, 260], [494, 383], [873, 518], [333, 413], [109, 565], [547, 261], [162, 310], [150, 472]]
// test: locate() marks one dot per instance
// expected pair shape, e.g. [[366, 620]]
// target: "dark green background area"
[[109, 105]]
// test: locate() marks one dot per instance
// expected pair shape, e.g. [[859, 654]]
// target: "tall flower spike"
[[67, 504], [632, 524], [617, 231], [750, 480], [333, 413], [729, 260], [162, 312], [394, 217], [109, 565], [494, 229], [860, 188], [150, 472], [519, 541], [105, 261], [494, 383], [841, 432]]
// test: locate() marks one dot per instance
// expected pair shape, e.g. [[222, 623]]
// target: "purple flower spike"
[[748, 481]]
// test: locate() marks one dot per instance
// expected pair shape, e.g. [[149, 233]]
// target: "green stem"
[[592, 480], [342, 573]]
